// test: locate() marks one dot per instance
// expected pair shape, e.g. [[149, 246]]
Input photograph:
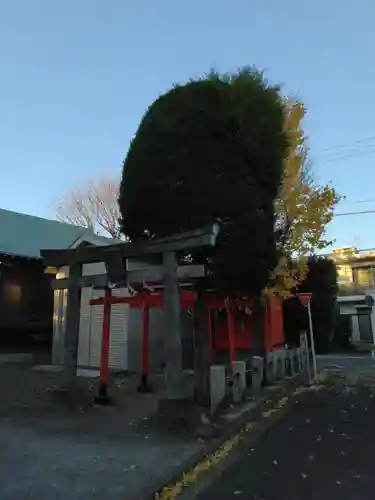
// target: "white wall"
[[90, 328], [126, 327]]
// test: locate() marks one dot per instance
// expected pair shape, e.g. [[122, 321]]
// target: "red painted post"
[[231, 332], [144, 385], [106, 328]]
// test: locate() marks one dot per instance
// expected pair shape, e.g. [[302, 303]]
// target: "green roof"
[[25, 235]]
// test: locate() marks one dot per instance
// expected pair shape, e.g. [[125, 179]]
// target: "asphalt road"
[[322, 449]]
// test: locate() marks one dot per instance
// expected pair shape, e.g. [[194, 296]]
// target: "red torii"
[[146, 299], [152, 296]]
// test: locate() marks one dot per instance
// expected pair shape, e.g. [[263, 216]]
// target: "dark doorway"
[[26, 305]]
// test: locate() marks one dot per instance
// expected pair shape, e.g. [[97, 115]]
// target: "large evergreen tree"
[[321, 282], [206, 150]]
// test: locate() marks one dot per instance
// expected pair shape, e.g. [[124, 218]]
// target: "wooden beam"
[[205, 237], [132, 277]]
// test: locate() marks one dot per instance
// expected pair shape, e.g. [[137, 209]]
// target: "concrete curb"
[[268, 400]]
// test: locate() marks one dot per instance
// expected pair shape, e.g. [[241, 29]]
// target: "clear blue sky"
[[76, 77]]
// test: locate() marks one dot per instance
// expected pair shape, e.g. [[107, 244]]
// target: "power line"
[[344, 155], [345, 144], [356, 202], [347, 150], [355, 213]]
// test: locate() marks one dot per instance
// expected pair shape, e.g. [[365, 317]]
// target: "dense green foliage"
[[207, 150], [321, 281]]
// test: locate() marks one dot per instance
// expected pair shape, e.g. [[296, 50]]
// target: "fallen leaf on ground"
[[282, 401]]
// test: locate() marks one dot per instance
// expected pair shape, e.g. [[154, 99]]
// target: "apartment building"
[[356, 282]]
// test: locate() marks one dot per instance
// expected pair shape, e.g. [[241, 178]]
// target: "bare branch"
[[94, 206]]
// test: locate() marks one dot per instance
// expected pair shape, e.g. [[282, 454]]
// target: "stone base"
[[218, 386], [72, 397], [183, 413], [102, 398], [103, 401], [144, 385]]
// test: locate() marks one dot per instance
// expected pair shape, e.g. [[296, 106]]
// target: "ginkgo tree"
[[303, 208]]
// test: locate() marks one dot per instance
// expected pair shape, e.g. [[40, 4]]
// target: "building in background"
[[356, 291], [355, 270], [26, 298]]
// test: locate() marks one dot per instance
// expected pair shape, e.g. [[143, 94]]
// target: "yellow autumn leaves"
[[307, 206]]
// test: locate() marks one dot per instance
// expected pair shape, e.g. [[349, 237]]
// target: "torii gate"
[[114, 256], [149, 296]]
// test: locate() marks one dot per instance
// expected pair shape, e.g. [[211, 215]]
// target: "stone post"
[[201, 352], [173, 329], [73, 312]]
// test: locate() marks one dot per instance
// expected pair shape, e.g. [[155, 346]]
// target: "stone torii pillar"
[[71, 338], [173, 334]]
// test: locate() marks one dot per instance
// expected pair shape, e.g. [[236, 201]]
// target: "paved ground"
[[323, 448], [52, 451]]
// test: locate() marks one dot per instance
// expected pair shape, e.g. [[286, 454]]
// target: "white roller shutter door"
[[118, 347], [118, 337]]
